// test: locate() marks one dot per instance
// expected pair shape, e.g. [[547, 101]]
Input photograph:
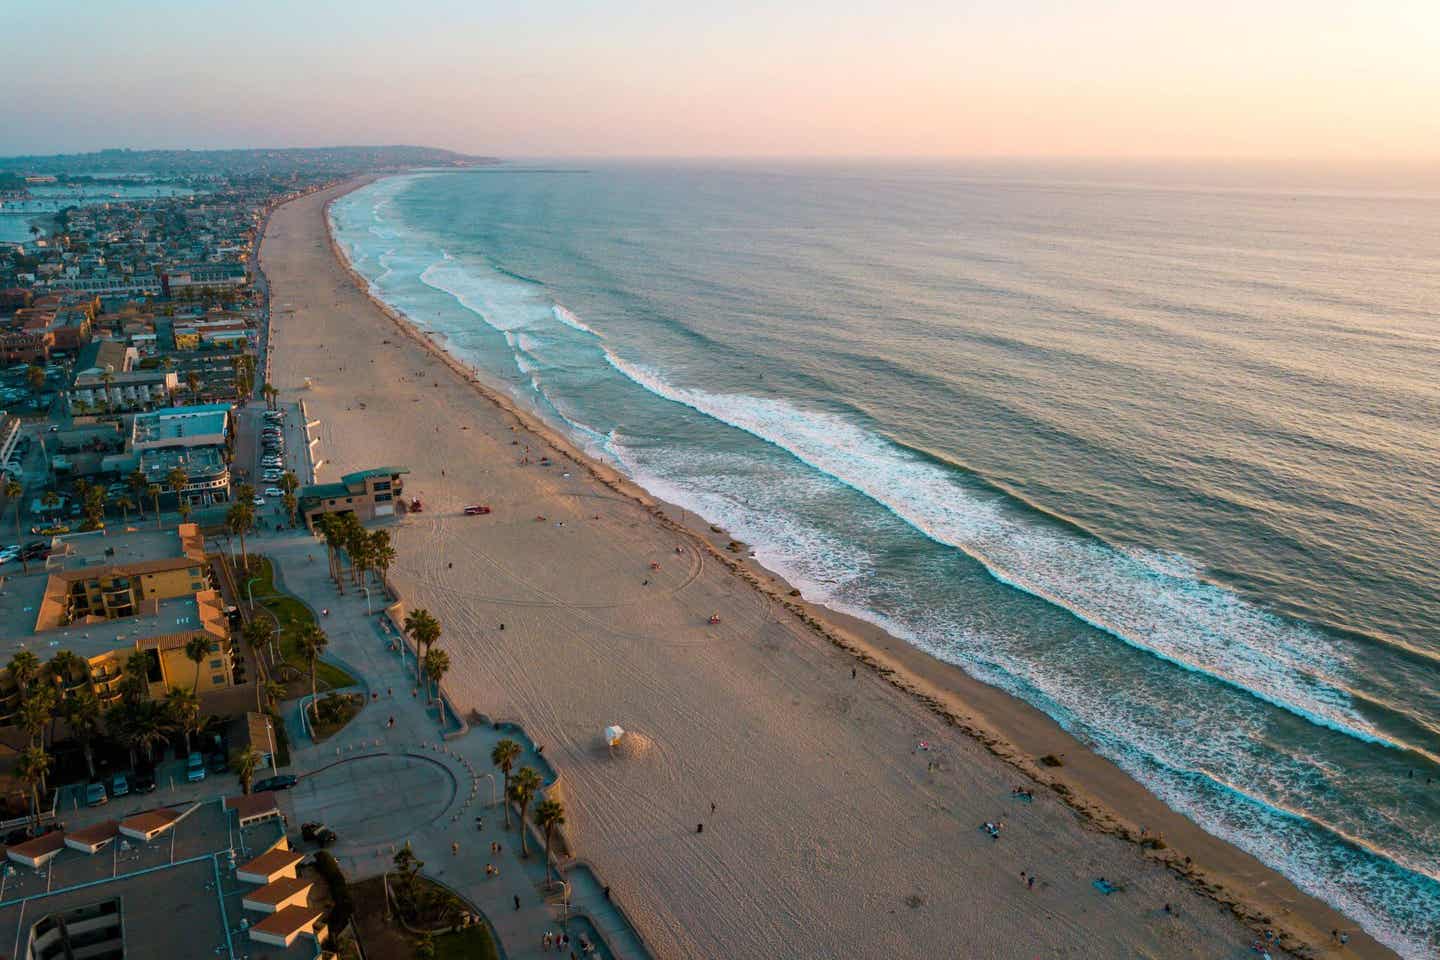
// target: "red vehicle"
[[416, 506], [476, 510]]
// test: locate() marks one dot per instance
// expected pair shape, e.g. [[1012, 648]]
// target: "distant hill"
[[190, 163]]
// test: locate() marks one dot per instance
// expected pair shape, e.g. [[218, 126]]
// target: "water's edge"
[[1230, 876]]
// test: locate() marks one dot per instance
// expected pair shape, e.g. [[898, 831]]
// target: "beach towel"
[[1104, 886]]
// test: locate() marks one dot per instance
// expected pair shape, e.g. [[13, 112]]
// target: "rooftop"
[[268, 863], [172, 424], [279, 890]]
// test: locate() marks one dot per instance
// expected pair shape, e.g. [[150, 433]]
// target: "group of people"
[[561, 942]]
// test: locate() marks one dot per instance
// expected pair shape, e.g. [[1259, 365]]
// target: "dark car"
[[144, 780], [35, 550], [283, 782], [219, 762]]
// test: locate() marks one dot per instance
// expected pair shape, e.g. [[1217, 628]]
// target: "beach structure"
[[366, 493]]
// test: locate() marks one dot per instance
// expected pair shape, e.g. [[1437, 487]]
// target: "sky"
[[1322, 81]]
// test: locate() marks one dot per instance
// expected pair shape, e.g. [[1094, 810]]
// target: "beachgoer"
[[455, 848], [517, 901], [699, 828]]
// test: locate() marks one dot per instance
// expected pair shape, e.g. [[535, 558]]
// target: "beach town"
[[332, 649]]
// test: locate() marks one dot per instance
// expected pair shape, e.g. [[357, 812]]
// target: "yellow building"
[[105, 598]]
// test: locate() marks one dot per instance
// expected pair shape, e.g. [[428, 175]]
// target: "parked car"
[[35, 550], [258, 501], [283, 782], [476, 510], [144, 779], [95, 794], [54, 530], [119, 785], [195, 768], [219, 762]]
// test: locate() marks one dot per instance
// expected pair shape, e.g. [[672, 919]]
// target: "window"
[[197, 586], [217, 680], [217, 664]]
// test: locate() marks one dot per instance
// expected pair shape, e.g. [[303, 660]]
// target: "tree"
[[197, 648], [424, 629], [138, 725], [382, 552], [24, 666], [437, 664], [138, 487], [50, 500], [33, 767], [328, 524], [313, 642], [274, 693], [504, 755], [15, 493], [292, 503], [259, 634], [36, 712], [81, 711], [270, 394], [245, 766], [408, 866], [522, 790], [289, 482], [184, 510], [35, 377], [182, 712], [64, 667], [192, 380], [240, 520], [425, 947], [126, 505], [93, 506], [135, 686], [154, 491], [549, 814], [176, 480]]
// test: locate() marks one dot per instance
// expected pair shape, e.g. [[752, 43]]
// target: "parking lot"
[[256, 429]]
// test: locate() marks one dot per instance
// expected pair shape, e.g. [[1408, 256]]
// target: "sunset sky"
[[1274, 79]]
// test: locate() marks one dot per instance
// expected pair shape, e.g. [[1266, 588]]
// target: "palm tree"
[[192, 380], [424, 629], [33, 767], [81, 711], [382, 552], [50, 500], [154, 491], [136, 685], [291, 503], [184, 510], [140, 725], [15, 491], [259, 634], [93, 505], [289, 482], [138, 486], [437, 663], [245, 766], [240, 520], [36, 712], [182, 712], [270, 393], [274, 693], [313, 642], [549, 814], [63, 667], [197, 648], [329, 526], [176, 480], [522, 791], [24, 667], [504, 755], [126, 505]]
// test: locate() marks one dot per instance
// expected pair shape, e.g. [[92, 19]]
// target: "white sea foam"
[[568, 318], [1141, 601]]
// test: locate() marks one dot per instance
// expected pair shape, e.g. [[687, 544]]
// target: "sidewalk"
[[379, 785]]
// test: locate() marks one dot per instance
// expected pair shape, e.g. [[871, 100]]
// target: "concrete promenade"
[[390, 776]]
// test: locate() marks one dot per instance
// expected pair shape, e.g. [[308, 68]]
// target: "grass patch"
[[332, 712], [472, 943], [293, 616]]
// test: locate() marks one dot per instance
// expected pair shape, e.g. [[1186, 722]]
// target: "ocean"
[[1157, 451]]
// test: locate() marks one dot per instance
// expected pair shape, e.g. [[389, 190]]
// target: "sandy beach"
[[842, 777]]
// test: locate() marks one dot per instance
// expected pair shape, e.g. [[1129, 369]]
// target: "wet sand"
[[834, 832]]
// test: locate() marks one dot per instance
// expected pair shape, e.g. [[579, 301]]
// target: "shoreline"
[[1003, 725]]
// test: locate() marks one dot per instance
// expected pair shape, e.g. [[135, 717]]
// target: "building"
[[107, 597], [127, 390], [367, 494], [196, 439], [201, 276]]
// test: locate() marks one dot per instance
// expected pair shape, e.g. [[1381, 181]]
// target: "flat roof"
[[143, 544], [360, 475], [165, 618], [98, 833], [178, 423], [41, 845], [150, 820], [197, 462]]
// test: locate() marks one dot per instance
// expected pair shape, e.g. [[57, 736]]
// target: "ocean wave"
[[1151, 602], [568, 318]]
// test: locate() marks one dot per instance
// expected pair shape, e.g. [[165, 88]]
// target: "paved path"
[[380, 785]]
